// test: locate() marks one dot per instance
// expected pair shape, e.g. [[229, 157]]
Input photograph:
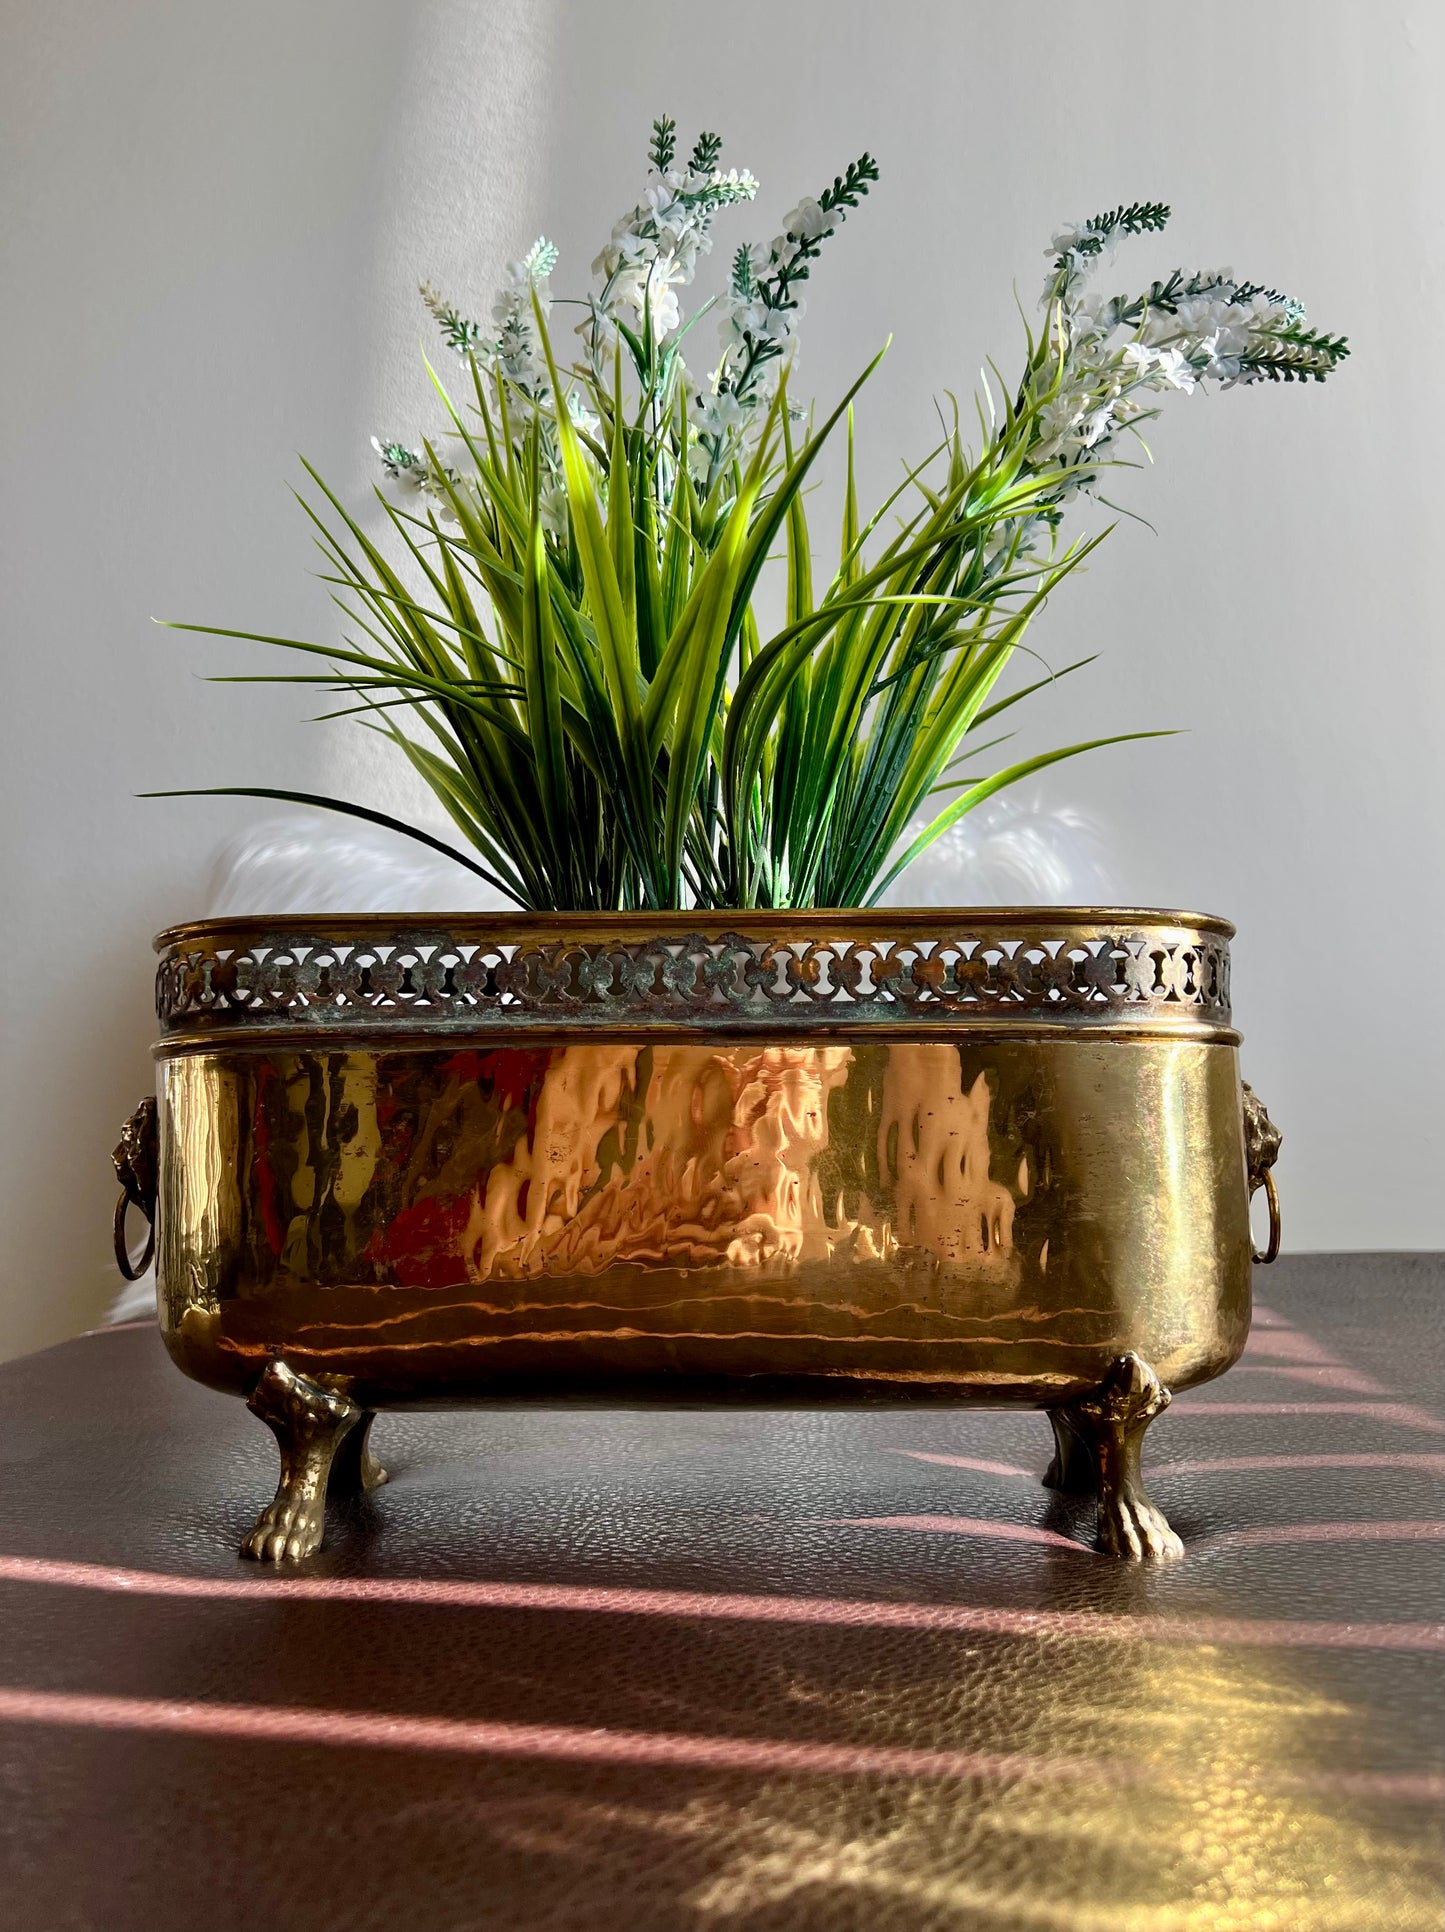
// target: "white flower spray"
[[651, 256], [1099, 368], [653, 250], [1104, 359]]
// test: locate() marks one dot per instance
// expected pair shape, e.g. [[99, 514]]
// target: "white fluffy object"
[[1014, 850], [321, 862]]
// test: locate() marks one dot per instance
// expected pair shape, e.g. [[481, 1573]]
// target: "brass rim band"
[[628, 928], [386, 1040], [539, 1032]]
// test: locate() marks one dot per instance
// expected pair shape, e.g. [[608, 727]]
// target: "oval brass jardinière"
[[994, 1157]]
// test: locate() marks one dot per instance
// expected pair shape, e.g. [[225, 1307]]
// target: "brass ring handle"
[[137, 1171], [1261, 1150], [1271, 1252], [132, 1270]]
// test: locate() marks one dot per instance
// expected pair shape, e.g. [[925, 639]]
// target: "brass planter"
[[997, 1158]]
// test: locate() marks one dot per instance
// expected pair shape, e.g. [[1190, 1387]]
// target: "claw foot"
[[1132, 1527], [310, 1423], [285, 1531], [1106, 1427]]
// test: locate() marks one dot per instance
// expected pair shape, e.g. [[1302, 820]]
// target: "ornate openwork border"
[[844, 972]]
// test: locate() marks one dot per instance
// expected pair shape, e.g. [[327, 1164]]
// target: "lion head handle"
[[1261, 1150], [136, 1169], [1261, 1138]]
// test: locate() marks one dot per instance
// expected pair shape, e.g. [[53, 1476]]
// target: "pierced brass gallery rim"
[[1012, 971]]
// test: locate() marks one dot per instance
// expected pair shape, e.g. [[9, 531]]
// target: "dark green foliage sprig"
[[397, 459], [663, 145], [849, 189], [1246, 292], [1295, 354], [706, 154], [1100, 231], [458, 333], [718, 194], [1166, 297], [1131, 218]]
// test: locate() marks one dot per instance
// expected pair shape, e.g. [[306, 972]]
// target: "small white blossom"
[[650, 287], [1081, 238], [552, 508], [809, 221], [719, 413], [583, 419], [755, 318]]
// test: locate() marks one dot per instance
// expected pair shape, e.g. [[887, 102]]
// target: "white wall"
[[213, 218]]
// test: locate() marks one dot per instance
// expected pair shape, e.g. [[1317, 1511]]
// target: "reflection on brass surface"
[[989, 1159], [910, 1220]]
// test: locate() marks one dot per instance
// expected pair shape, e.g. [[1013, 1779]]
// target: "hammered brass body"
[[910, 1220]]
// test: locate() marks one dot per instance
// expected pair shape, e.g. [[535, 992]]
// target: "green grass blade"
[[540, 677]]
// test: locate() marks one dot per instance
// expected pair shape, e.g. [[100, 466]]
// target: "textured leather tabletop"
[[743, 1671]]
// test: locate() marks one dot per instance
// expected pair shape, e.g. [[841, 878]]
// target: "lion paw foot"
[[285, 1531], [1132, 1527]]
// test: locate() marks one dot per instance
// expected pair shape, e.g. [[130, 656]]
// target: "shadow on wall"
[[465, 183], [462, 172]]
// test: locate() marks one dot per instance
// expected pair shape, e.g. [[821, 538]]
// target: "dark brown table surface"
[[735, 1670]]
